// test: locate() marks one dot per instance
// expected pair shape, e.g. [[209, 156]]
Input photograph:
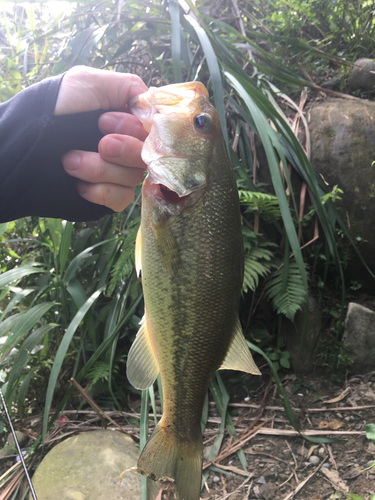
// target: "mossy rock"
[[88, 467], [343, 151]]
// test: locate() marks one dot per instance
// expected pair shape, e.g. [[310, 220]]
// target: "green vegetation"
[[70, 302]]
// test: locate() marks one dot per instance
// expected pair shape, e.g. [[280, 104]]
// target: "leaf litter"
[[281, 464]]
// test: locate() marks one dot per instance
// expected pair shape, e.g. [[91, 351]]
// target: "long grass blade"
[[214, 69], [19, 272], [266, 134], [20, 324], [100, 351], [60, 355], [174, 11], [144, 437]]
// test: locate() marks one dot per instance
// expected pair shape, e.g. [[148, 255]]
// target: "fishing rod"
[[18, 448]]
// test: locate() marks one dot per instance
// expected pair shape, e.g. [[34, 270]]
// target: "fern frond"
[[260, 202], [100, 370], [125, 263], [257, 264], [289, 300]]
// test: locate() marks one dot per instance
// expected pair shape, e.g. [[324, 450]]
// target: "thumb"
[[88, 89]]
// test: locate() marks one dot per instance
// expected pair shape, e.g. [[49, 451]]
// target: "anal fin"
[[142, 367], [239, 356]]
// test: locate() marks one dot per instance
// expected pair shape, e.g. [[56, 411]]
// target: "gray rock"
[[9, 447], [314, 460], [302, 337], [342, 151], [361, 76], [88, 467], [359, 337]]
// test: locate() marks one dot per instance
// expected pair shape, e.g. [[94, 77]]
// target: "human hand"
[[107, 177]]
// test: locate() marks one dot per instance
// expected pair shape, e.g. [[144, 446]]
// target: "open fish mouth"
[[169, 196], [163, 171]]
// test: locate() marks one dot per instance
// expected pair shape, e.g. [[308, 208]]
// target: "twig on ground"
[[332, 458], [311, 432], [302, 483], [237, 489], [305, 410], [295, 463], [101, 413]]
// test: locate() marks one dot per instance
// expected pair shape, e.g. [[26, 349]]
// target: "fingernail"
[[71, 161], [112, 147], [109, 124]]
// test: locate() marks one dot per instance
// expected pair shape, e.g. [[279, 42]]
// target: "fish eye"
[[202, 121]]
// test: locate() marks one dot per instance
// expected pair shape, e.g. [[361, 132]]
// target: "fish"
[[189, 251]]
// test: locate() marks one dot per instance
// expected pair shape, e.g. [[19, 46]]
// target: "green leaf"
[[285, 289], [213, 66], [77, 261], [55, 230], [20, 361], [174, 11], [370, 432], [60, 355], [19, 272], [20, 324], [352, 496], [66, 240], [144, 437], [284, 363], [3, 228], [270, 142]]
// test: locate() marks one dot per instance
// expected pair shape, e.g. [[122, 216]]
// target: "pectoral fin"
[[238, 356], [142, 367], [138, 248]]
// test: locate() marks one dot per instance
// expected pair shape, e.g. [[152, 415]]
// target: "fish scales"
[[197, 307], [191, 255]]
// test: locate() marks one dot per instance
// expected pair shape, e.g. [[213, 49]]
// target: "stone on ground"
[[343, 151], [362, 76], [88, 467], [359, 338]]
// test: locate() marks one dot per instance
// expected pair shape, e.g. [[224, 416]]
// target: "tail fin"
[[165, 457]]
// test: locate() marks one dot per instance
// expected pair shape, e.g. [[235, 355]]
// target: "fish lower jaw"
[[163, 194]]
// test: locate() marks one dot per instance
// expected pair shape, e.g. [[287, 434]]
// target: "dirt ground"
[[283, 466]]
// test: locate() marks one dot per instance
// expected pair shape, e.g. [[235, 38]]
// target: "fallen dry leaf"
[[333, 477], [333, 424], [340, 397], [352, 473]]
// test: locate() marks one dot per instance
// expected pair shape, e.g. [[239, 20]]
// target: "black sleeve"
[[32, 142]]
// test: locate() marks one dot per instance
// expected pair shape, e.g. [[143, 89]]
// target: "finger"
[[110, 195], [92, 168], [122, 123], [122, 149], [87, 89]]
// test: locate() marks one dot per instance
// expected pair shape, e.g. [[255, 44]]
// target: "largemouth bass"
[[190, 251]]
